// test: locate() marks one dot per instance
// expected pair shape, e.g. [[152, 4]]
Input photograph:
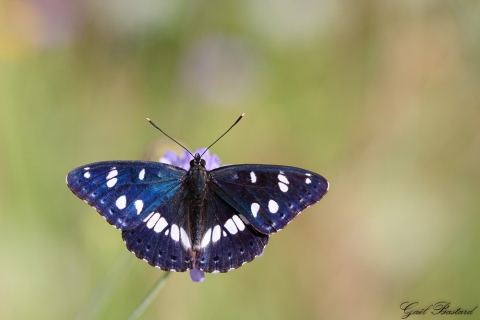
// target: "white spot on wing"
[[253, 177], [224, 233], [111, 182], [216, 233], [161, 224], [86, 168], [141, 175], [238, 222], [282, 178], [255, 207], [230, 225], [86, 174], [121, 202], [283, 186], [244, 219], [139, 206], [148, 217], [206, 238], [175, 232], [112, 174], [272, 206], [166, 232], [184, 238], [153, 220], [308, 181], [308, 174]]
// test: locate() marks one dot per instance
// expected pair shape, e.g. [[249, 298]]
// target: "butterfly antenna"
[[239, 118], [153, 124]]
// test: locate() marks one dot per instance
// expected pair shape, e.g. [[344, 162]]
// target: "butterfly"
[[213, 220]]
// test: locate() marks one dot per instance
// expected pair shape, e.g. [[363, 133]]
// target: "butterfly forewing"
[[125, 192], [268, 196]]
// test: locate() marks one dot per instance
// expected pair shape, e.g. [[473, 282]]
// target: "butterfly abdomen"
[[197, 179]]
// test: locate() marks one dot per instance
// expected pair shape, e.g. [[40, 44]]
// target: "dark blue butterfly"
[[213, 220]]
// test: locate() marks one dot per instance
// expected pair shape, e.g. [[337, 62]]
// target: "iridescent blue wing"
[[125, 192], [268, 196], [147, 201], [228, 240], [247, 203]]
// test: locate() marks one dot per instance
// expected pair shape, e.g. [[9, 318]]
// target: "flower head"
[[212, 162], [197, 275], [170, 157]]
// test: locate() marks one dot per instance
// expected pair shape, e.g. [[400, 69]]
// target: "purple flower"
[[170, 157], [212, 162], [197, 275]]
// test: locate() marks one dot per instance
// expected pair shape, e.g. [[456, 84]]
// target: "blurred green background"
[[380, 97]]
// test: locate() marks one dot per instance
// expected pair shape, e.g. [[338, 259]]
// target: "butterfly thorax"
[[197, 176]]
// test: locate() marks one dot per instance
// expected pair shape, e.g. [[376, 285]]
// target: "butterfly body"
[[213, 220]]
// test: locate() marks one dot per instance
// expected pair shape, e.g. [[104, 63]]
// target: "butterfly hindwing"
[[229, 241], [268, 196], [125, 192], [162, 239]]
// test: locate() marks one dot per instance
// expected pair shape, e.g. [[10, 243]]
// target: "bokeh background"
[[380, 97]]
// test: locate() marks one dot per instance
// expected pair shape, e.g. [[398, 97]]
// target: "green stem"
[[149, 297], [105, 289]]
